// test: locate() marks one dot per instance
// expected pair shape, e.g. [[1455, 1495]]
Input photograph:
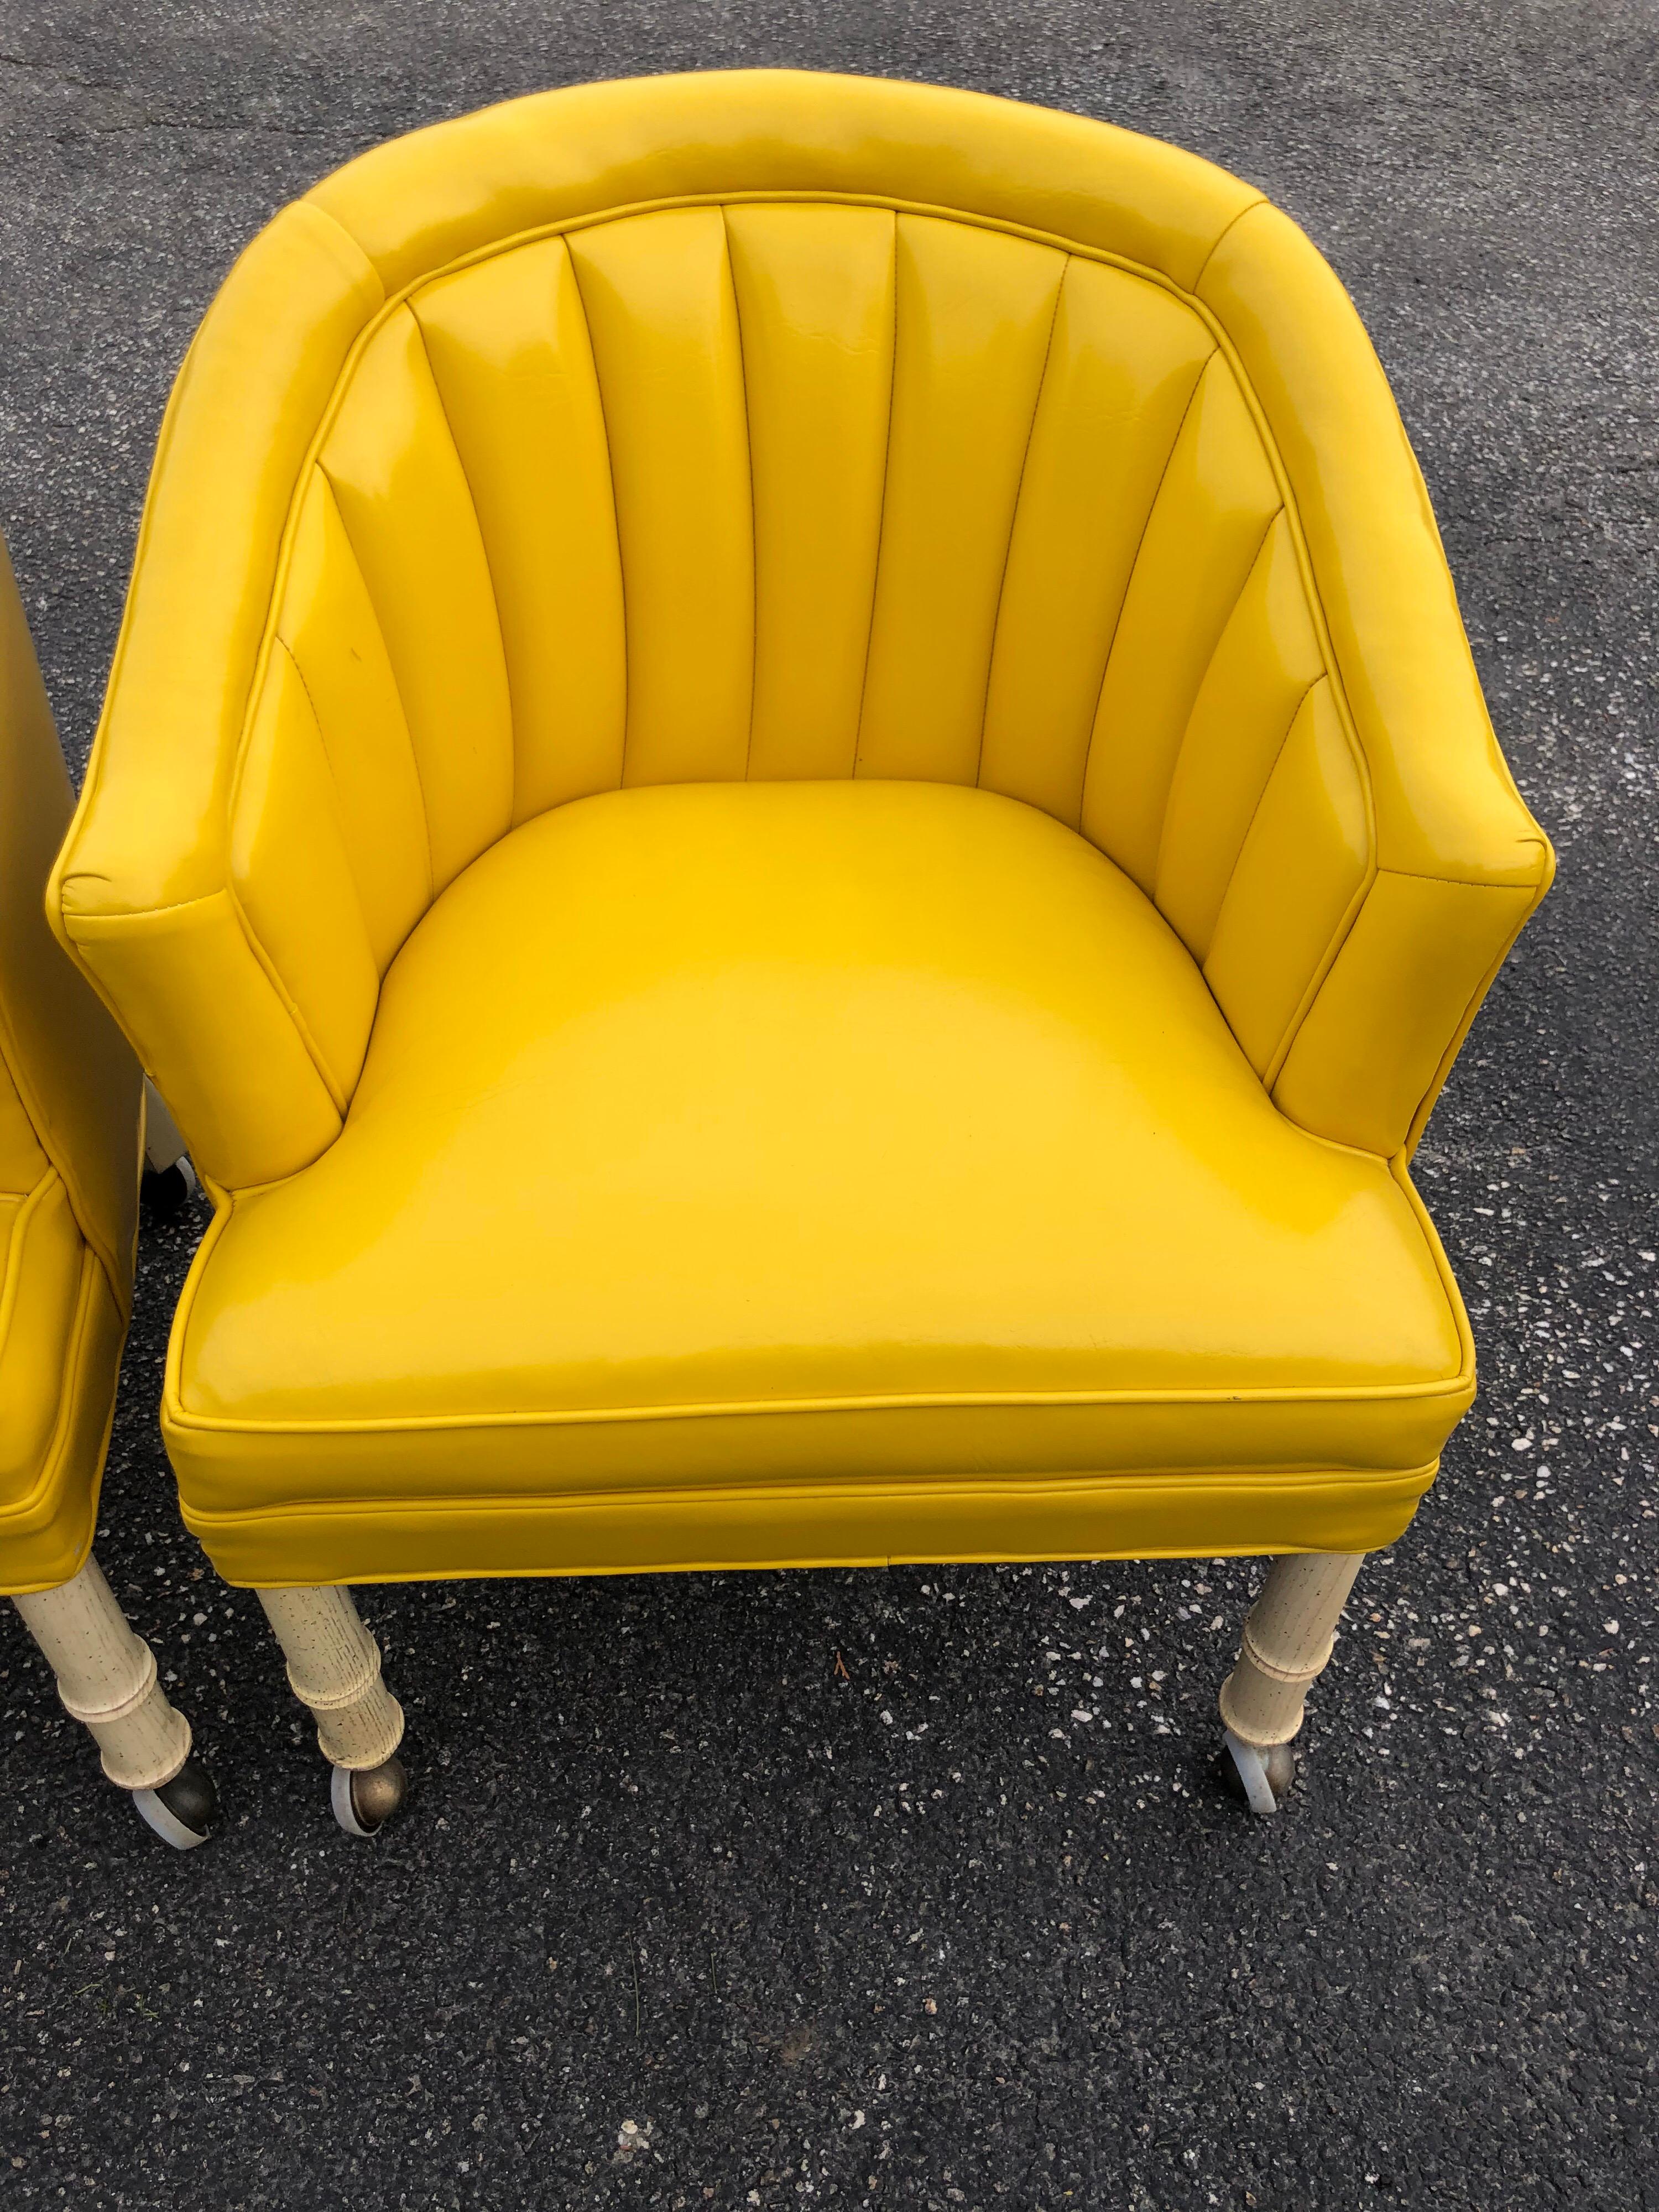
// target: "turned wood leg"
[[169, 1177], [1286, 1644], [334, 1668], [106, 1679], [164, 1147]]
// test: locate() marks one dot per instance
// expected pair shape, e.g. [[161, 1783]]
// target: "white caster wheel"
[[1262, 1778], [365, 1798], [166, 1191], [181, 1812]]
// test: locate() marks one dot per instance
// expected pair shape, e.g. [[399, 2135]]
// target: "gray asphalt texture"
[[915, 1888]]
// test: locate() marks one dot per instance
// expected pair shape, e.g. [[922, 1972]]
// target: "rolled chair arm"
[[144, 894], [1453, 862]]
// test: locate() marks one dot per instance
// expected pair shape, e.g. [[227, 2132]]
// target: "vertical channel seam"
[[397, 682], [881, 538], [754, 517], [1129, 578], [1013, 518], [615, 509], [484, 549], [292, 657], [1216, 642], [1296, 714]]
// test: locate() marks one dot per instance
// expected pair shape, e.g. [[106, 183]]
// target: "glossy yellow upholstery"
[[69, 1109], [794, 807]]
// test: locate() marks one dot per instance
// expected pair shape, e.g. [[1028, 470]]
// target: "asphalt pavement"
[[915, 1888]]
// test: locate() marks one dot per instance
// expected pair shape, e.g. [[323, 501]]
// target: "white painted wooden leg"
[[1285, 1647], [106, 1680], [334, 1667], [169, 1178], [164, 1147]]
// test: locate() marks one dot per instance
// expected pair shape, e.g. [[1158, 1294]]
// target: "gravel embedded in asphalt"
[[914, 1888]]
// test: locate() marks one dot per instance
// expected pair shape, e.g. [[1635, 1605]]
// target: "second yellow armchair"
[[794, 807], [70, 1115]]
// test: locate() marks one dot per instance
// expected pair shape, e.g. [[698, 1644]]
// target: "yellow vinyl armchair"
[[794, 807], [70, 1113]]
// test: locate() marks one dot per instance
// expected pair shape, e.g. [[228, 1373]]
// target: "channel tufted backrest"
[[782, 490], [774, 426]]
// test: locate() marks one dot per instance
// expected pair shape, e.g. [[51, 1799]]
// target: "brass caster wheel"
[[181, 1812], [1261, 1780], [365, 1798]]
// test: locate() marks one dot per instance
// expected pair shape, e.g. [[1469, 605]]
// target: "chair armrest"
[[1456, 863], [143, 897]]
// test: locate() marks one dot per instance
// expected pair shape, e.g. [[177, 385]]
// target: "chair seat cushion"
[[777, 1171]]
